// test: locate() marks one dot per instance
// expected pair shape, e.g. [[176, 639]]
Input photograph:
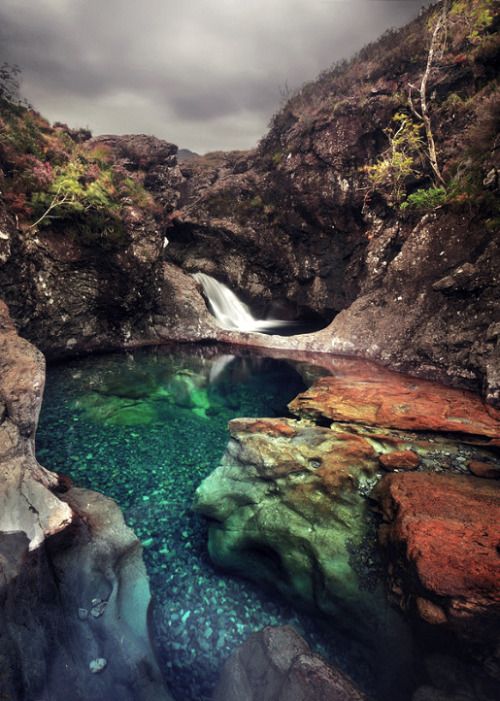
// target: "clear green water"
[[145, 429]]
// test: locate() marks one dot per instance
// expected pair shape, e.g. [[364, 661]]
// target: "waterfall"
[[231, 312]]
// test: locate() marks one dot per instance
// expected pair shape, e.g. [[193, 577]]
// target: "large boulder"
[[286, 508], [276, 664], [398, 401], [434, 307], [74, 611], [441, 536]]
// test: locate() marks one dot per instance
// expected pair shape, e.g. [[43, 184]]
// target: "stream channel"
[[145, 428]]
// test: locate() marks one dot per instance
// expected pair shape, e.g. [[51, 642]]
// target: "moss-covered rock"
[[286, 508]]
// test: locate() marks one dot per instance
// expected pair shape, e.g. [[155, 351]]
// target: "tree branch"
[[424, 112], [55, 203]]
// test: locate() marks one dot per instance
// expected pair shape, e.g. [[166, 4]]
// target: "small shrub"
[[276, 158], [453, 99], [475, 17], [397, 163], [425, 199], [18, 204]]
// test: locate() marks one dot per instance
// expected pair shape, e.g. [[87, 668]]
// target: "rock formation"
[[71, 296], [276, 664], [27, 504], [398, 401], [74, 594], [441, 536], [288, 507], [285, 509], [299, 229]]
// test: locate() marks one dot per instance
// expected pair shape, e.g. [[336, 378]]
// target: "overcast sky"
[[203, 74]]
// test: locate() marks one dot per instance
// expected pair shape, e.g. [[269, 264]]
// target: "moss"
[[240, 206], [493, 224], [277, 157], [341, 106]]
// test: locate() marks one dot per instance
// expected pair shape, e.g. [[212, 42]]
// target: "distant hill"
[[184, 154]]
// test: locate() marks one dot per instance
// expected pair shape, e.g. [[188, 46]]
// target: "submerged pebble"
[[97, 665], [98, 607]]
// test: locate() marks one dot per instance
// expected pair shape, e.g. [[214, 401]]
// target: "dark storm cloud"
[[206, 74]]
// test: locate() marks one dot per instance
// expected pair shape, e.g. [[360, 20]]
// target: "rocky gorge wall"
[[298, 228], [74, 594], [68, 295]]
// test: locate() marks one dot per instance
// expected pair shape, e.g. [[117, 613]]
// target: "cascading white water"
[[231, 312]]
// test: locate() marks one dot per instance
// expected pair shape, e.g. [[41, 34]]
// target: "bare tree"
[[423, 115]]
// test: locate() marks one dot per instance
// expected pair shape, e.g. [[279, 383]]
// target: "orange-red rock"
[[484, 469], [399, 460], [271, 427], [400, 402], [441, 535]]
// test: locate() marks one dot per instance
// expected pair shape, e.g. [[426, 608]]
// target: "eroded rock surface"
[[285, 508], [276, 664], [441, 534], [283, 504], [289, 507], [398, 401], [297, 227], [26, 503], [68, 295], [299, 230]]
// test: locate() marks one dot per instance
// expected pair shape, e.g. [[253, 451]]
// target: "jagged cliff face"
[[272, 232]]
